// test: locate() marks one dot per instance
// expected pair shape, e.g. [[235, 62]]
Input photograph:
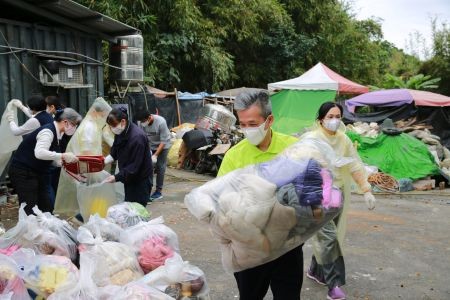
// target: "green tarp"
[[295, 109], [401, 156]]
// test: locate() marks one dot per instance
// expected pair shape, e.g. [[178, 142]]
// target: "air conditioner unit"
[[66, 74]]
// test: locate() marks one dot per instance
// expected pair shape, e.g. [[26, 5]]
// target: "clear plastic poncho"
[[262, 211], [10, 142], [87, 140]]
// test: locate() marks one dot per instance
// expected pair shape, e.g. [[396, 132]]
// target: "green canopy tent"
[[296, 101]]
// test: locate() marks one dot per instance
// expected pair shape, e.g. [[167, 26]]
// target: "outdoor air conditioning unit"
[[65, 74]]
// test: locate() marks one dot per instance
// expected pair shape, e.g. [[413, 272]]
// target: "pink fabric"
[[423, 98], [345, 86], [10, 250], [153, 253], [326, 187]]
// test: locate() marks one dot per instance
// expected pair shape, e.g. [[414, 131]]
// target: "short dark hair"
[[252, 96], [54, 100], [143, 115], [37, 103], [325, 108], [116, 115]]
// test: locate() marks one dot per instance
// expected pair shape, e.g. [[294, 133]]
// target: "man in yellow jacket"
[[283, 275]]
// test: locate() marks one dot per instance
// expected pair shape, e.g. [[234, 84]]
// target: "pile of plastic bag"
[[127, 256], [260, 212]]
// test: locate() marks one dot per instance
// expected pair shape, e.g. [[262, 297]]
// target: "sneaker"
[[336, 294], [156, 196], [311, 276]]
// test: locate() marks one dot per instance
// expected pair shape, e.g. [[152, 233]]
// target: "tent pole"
[[178, 106]]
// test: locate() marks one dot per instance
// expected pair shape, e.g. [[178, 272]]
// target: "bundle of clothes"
[[124, 256], [262, 211]]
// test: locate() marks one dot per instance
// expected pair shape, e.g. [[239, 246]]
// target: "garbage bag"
[[103, 228], [132, 290], [127, 214]]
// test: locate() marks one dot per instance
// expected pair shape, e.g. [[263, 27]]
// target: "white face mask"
[[144, 124], [69, 130], [332, 124], [118, 129], [255, 135]]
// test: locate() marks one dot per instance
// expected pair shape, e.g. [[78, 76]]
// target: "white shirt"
[[44, 140], [29, 126]]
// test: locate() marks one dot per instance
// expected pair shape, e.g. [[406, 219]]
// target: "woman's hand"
[[370, 200]]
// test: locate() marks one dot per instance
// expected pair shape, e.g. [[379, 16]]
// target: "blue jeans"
[[160, 168]]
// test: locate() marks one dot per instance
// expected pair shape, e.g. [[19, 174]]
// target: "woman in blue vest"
[[31, 162], [36, 111]]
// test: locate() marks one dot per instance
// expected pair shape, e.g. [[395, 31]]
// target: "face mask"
[[145, 123], [332, 124], [255, 135], [69, 130], [117, 130]]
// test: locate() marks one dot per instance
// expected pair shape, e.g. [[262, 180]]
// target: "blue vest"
[[43, 117], [24, 157]]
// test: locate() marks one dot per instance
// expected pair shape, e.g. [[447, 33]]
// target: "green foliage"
[[199, 45], [416, 82]]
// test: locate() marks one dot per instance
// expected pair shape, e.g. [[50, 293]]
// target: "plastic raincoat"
[[328, 241], [87, 140], [10, 142]]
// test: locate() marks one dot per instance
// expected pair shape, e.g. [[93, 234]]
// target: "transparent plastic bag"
[[11, 285], [247, 216], [178, 277], [85, 289], [132, 290], [96, 197], [153, 242], [128, 214], [43, 232], [46, 274], [107, 230], [115, 263]]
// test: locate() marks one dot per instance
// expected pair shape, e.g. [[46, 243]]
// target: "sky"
[[401, 17]]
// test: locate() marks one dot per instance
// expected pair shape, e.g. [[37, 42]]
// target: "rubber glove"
[[109, 159], [17, 103], [154, 159], [370, 200], [109, 179], [69, 157], [10, 116]]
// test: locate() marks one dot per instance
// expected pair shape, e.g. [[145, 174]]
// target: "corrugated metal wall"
[[16, 81]]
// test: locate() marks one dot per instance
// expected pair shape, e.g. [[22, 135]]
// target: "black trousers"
[[138, 191], [31, 188], [284, 275]]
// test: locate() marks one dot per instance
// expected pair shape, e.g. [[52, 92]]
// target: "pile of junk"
[[202, 146]]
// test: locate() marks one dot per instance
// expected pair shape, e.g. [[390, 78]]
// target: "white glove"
[[69, 157], [109, 159], [154, 159], [109, 179], [17, 103], [370, 200], [10, 116]]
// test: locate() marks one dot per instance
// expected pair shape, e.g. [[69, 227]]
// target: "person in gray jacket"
[[158, 135]]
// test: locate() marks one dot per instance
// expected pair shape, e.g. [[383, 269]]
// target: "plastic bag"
[[115, 263], [10, 142], [43, 233], [107, 230], [46, 274], [128, 214], [85, 289], [252, 224], [178, 278], [153, 241], [132, 290], [96, 197], [11, 285]]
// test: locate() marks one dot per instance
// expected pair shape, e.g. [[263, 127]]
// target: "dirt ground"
[[401, 250]]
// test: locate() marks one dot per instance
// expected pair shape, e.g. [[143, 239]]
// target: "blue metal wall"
[[17, 83]]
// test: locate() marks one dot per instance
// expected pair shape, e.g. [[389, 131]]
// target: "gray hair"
[[68, 114], [251, 97]]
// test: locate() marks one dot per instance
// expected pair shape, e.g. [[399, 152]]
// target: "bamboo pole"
[[178, 106]]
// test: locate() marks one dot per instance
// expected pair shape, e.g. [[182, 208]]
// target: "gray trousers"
[[160, 169]]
